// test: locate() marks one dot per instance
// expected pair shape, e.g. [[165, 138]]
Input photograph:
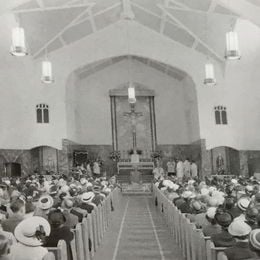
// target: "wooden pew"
[[191, 240], [49, 256], [85, 238], [73, 246], [60, 251], [91, 234], [212, 251], [79, 242], [222, 256]]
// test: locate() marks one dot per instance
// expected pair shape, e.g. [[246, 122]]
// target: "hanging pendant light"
[[131, 94], [47, 76], [18, 47], [210, 79], [232, 47]]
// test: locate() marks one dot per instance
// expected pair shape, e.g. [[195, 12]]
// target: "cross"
[[133, 115]]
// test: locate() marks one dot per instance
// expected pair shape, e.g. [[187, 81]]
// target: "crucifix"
[[133, 115]]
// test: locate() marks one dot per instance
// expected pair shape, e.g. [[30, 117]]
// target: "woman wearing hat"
[[86, 201], [224, 238], [254, 241], [44, 206], [30, 234], [59, 231], [212, 227], [240, 231]]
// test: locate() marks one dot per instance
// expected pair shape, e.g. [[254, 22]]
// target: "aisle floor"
[[137, 232]]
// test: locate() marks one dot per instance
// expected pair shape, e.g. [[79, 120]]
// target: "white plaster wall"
[[93, 104], [21, 89], [241, 95]]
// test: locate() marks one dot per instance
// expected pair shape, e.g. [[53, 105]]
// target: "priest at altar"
[[135, 175], [135, 157]]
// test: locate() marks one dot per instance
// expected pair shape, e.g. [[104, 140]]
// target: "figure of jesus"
[[133, 115]]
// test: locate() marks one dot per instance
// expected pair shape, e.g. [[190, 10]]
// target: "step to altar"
[[136, 189]]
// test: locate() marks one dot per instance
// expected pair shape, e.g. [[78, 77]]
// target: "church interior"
[[162, 49], [150, 97]]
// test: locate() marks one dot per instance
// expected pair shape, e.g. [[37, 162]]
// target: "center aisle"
[[138, 231]]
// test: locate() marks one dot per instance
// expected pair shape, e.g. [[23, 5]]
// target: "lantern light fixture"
[[232, 46], [47, 76], [131, 94], [18, 47], [210, 79]]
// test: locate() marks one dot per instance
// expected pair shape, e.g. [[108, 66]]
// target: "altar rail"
[[193, 243], [131, 166], [88, 234]]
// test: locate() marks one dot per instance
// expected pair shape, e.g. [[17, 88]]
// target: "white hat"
[[254, 239], [234, 181], [87, 196], [212, 189], [83, 181], [190, 182], [45, 202], [25, 230], [89, 184], [243, 203], [7, 182], [65, 189], [239, 228], [204, 191], [211, 212], [167, 183], [213, 202], [175, 186], [249, 188], [186, 194]]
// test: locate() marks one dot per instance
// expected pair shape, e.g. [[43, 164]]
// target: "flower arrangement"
[[139, 152], [115, 156], [156, 155]]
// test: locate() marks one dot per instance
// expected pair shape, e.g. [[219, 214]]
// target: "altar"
[[135, 172], [132, 166]]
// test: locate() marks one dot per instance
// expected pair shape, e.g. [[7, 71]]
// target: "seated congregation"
[[36, 213], [226, 210]]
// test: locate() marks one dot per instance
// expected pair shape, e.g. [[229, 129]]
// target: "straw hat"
[[254, 239], [26, 230], [87, 196], [211, 212], [186, 194], [53, 189], [64, 189], [234, 181], [83, 181], [45, 202], [243, 203], [204, 191], [239, 228], [213, 202]]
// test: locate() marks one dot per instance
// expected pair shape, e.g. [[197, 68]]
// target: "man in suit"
[[18, 212], [240, 231]]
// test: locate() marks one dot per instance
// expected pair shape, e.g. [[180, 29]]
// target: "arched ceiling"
[[90, 69], [197, 24]]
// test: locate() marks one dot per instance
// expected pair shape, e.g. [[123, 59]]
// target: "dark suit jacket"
[[61, 233], [240, 251], [223, 239], [11, 223]]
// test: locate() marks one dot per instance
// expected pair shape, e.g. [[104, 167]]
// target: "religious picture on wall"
[[220, 164]]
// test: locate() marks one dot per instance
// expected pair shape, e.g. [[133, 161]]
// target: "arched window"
[[221, 115], [42, 113]]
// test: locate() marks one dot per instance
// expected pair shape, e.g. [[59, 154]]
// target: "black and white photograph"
[[129, 130]]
